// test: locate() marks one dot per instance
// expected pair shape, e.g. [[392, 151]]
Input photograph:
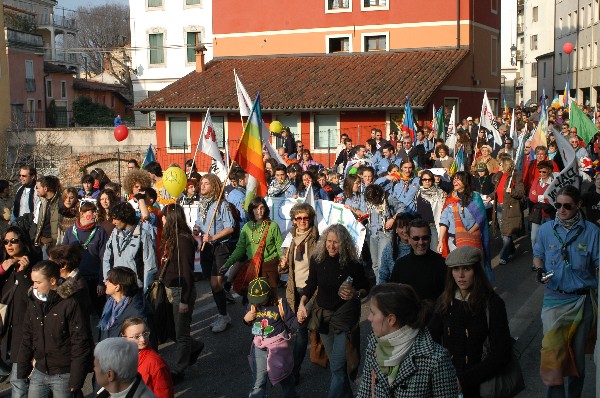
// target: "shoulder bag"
[[251, 269], [509, 381], [160, 299]]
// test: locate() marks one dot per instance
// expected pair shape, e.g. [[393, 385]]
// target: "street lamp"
[[513, 55]]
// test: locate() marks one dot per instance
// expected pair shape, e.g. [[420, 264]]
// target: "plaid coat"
[[426, 371]]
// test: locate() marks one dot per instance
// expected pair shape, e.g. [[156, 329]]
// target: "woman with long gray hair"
[[338, 275]]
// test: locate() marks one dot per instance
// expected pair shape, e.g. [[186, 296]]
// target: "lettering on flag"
[[569, 175]]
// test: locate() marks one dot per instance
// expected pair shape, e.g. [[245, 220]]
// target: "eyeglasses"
[[424, 238], [305, 219], [426, 179], [12, 241], [567, 206], [24, 175], [141, 336]]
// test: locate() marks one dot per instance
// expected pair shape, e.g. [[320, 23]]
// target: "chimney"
[[199, 50]]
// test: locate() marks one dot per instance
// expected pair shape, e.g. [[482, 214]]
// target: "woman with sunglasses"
[[541, 211], [296, 263], [507, 197], [151, 366], [430, 200], [566, 259], [91, 238], [15, 279]]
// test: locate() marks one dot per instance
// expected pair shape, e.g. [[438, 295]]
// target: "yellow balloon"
[[275, 126], [174, 180]]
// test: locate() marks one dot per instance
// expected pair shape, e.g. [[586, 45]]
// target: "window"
[[575, 20], [588, 56], [597, 8], [326, 132], [569, 23], [581, 17], [374, 5], [30, 112], [219, 126], [375, 43], [192, 2], [544, 69], [560, 63], [534, 69], [595, 54], [581, 61], [560, 25], [452, 102], [533, 45], [338, 44], [157, 55], [494, 59], [534, 14], [589, 14], [177, 133], [49, 88], [29, 77], [494, 6], [154, 3], [63, 89], [338, 5], [193, 39], [534, 96], [290, 121]]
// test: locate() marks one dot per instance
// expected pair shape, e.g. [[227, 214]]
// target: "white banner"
[[568, 175], [328, 213], [488, 120]]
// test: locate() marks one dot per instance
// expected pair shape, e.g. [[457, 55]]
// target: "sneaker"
[[502, 262], [229, 296], [221, 323], [214, 322]]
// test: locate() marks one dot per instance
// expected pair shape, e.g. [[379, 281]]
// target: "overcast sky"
[[73, 4]]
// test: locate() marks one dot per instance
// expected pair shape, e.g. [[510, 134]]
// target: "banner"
[[488, 120], [569, 175]]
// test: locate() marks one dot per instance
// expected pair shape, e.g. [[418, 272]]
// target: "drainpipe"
[[457, 24]]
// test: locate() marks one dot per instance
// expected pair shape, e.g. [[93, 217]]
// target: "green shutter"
[[157, 55]]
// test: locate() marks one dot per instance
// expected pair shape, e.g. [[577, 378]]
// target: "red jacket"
[[531, 173], [155, 373]]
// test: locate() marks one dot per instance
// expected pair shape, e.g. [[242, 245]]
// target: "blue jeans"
[[41, 384], [19, 386], [574, 385], [377, 243], [261, 377], [335, 346]]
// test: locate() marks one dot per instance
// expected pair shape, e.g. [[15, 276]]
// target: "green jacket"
[[248, 243]]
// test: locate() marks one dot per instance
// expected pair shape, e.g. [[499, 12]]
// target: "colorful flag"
[[245, 104], [539, 137], [488, 121], [408, 121], [569, 174], [566, 94], [586, 129], [441, 123], [520, 159], [506, 106], [556, 102], [459, 162], [249, 154], [207, 143], [149, 156]]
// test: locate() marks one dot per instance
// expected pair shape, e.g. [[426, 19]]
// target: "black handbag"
[[508, 382], [160, 299]]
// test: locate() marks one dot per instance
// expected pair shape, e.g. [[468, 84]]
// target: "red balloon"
[[121, 132], [568, 48]]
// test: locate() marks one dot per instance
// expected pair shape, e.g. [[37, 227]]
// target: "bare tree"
[[104, 38]]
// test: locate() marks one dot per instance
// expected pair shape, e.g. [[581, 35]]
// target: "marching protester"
[[430, 200], [541, 211], [48, 190], [26, 200], [340, 280], [106, 201], [399, 246], [380, 221], [68, 211], [566, 258], [281, 186]]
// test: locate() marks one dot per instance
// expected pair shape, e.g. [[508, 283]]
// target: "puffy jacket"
[[54, 334], [155, 373]]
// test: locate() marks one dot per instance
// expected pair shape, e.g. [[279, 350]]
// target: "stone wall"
[[70, 153]]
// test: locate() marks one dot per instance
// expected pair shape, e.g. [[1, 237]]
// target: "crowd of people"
[[79, 265]]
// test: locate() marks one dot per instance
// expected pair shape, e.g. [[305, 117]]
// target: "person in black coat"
[[467, 314], [15, 280], [54, 335]]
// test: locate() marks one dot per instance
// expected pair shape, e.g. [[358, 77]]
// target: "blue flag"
[[149, 156]]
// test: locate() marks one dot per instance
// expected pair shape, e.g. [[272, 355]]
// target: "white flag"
[[310, 196], [488, 120], [244, 101], [434, 122], [569, 174], [513, 130], [452, 122], [208, 144]]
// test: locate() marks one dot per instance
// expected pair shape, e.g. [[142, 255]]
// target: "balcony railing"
[[59, 21], [520, 28], [519, 55], [30, 85], [519, 82], [15, 37]]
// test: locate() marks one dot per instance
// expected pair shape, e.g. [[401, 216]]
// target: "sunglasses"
[[305, 219], [12, 241], [426, 179], [424, 238], [567, 206]]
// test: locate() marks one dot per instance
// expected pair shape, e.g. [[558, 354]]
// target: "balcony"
[[520, 4], [56, 21], [15, 38], [30, 85], [519, 55], [519, 82], [63, 58], [520, 29]]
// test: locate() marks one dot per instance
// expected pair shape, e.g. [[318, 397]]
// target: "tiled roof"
[[349, 81], [82, 84], [52, 68]]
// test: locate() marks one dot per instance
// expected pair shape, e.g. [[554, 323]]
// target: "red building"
[[333, 66], [110, 95]]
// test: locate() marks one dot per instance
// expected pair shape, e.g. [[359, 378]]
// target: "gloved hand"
[[139, 196]]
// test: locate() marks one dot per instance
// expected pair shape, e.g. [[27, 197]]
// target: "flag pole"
[[197, 146]]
